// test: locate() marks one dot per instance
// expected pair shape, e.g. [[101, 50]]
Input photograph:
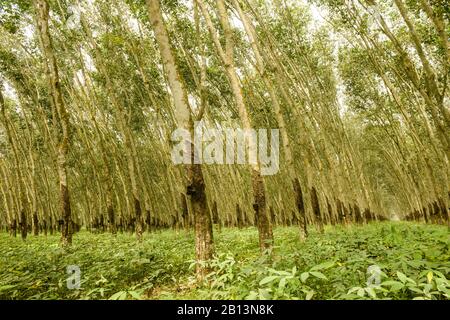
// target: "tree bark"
[[195, 188], [42, 14], [227, 57], [316, 209]]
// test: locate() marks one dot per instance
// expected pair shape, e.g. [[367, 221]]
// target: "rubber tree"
[[195, 188]]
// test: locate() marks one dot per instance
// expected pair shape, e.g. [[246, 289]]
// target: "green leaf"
[[264, 294], [403, 278], [123, 296], [267, 280], [319, 275], [309, 295], [322, 266], [192, 265], [415, 290], [7, 287], [135, 295], [304, 276], [429, 276], [390, 283], [360, 292], [414, 263], [294, 270], [252, 296], [117, 295], [397, 287], [353, 290], [371, 292], [282, 284]]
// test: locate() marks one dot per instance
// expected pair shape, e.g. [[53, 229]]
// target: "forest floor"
[[389, 260]]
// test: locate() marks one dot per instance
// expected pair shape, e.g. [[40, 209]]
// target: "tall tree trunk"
[[227, 57], [23, 202], [51, 69], [132, 160], [262, 70], [195, 188]]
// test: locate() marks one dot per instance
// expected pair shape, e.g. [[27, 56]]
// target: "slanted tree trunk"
[[316, 209], [23, 202], [4, 187], [195, 188], [42, 14], [227, 57], [262, 70]]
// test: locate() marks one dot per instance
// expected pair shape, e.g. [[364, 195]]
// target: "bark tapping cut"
[[184, 119], [202, 219], [184, 212], [66, 231], [112, 219], [330, 213], [239, 219], [215, 214], [226, 54], [262, 64], [260, 207], [23, 224], [301, 209], [35, 224], [138, 212], [14, 228], [316, 209], [51, 70]]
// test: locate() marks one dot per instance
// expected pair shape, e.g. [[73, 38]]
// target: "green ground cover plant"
[[413, 259]]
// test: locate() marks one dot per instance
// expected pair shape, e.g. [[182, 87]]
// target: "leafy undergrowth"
[[391, 260]]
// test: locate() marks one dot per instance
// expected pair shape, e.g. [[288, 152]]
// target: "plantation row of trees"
[[91, 92]]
